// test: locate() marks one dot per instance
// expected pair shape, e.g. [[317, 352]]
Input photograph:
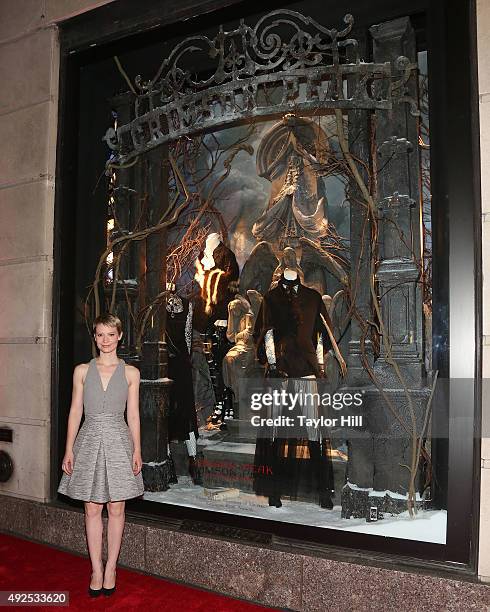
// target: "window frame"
[[456, 209]]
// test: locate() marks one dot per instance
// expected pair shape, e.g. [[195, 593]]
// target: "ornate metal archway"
[[310, 68]]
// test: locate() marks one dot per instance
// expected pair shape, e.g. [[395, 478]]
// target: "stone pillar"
[[158, 468], [154, 357], [398, 183], [360, 467], [379, 454], [359, 135]]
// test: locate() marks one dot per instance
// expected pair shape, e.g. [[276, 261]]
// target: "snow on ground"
[[427, 526]]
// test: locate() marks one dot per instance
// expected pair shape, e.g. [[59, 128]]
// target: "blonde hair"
[[107, 319]]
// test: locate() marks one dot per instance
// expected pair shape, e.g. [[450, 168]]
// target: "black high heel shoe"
[[94, 592], [110, 591]]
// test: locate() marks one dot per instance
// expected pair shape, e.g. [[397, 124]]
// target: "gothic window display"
[[268, 246]]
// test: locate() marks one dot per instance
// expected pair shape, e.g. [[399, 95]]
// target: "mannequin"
[[212, 241], [240, 362], [291, 333], [289, 322], [217, 274], [182, 420]]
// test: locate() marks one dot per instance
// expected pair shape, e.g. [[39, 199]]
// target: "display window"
[[258, 202]]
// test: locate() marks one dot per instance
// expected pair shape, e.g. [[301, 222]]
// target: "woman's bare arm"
[[133, 413], [75, 416], [76, 409]]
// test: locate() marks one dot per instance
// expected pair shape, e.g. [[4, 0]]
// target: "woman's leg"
[[94, 528], [115, 528]]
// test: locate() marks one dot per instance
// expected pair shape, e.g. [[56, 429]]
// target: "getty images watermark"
[[290, 407], [304, 408], [297, 408]]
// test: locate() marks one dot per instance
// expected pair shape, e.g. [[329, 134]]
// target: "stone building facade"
[[297, 579]]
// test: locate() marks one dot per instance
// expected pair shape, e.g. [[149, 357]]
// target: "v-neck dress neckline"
[[100, 377]]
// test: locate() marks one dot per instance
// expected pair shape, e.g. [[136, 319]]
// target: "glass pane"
[[274, 281]]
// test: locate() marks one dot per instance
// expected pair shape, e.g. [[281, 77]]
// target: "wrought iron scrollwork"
[[286, 62], [399, 90]]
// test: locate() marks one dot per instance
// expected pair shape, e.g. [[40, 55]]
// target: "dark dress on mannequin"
[[296, 315], [219, 288], [182, 412]]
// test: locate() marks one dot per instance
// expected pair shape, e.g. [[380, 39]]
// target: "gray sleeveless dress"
[[103, 448]]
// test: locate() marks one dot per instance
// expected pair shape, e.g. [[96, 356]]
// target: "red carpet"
[[26, 566]]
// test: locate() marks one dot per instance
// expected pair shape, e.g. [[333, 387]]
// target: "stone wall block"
[[20, 16], [133, 546], [17, 516], [265, 576], [25, 70], [333, 585], [483, 21], [61, 528], [26, 227], [24, 138], [484, 107], [486, 273], [25, 388], [30, 455], [25, 300]]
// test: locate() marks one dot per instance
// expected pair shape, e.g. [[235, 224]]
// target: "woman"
[[102, 464]]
